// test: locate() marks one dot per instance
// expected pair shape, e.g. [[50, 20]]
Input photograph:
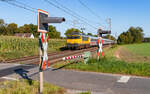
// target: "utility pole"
[[82, 29], [116, 37], [74, 22], [109, 22]]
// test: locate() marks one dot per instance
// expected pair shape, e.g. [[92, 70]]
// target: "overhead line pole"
[[109, 22]]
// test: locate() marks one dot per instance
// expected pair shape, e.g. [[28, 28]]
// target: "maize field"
[[16, 47]]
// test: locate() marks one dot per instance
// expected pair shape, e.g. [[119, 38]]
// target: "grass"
[[142, 49], [109, 52], [134, 52], [85, 93], [16, 47], [111, 65], [23, 87]]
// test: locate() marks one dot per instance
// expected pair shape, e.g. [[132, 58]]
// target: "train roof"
[[103, 38], [93, 37]]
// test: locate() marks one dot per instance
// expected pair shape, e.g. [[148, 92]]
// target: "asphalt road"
[[98, 83]]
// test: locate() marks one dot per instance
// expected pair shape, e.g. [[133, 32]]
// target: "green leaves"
[[133, 35], [69, 31]]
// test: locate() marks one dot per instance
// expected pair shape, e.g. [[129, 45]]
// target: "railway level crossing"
[[42, 23]]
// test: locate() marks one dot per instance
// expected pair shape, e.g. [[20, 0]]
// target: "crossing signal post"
[[42, 23], [100, 41], [100, 47]]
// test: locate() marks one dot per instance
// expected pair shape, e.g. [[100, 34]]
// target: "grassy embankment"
[[23, 87], [15, 47], [110, 64]]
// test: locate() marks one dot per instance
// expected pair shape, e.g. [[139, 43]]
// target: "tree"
[[3, 26], [137, 34], [33, 29], [12, 28], [69, 31], [90, 34], [29, 28], [95, 36], [121, 38], [1, 22], [110, 37], [53, 33], [129, 37], [133, 35]]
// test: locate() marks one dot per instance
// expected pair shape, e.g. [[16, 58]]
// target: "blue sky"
[[124, 13]]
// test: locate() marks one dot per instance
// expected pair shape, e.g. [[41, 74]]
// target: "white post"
[[40, 71], [41, 82]]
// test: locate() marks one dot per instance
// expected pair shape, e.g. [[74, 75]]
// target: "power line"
[[26, 5], [76, 13], [90, 10], [68, 12], [17, 5]]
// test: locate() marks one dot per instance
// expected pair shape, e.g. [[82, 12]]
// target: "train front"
[[73, 40]]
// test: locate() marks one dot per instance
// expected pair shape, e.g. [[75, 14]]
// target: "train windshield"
[[73, 37]]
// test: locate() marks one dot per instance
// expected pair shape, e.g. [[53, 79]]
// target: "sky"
[[123, 13]]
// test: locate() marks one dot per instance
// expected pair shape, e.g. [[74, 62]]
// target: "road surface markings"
[[124, 79], [9, 78]]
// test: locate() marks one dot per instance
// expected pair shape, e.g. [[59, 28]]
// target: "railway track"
[[53, 57]]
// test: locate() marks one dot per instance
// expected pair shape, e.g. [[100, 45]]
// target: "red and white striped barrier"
[[72, 57]]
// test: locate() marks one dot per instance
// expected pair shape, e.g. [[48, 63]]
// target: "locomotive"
[[77, 40]]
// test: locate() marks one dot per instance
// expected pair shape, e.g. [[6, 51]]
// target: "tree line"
[[12, 28], [132, 35]]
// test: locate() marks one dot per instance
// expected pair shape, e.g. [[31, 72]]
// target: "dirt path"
[[117, 53]]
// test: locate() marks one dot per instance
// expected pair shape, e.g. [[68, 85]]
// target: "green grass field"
[[23, 87], [142, 49], [110, 64], [16, 47], [134, 52]]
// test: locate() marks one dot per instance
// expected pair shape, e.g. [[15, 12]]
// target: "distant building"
[[25, 35]]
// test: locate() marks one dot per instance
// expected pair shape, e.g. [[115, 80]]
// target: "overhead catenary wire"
[[69, 13], [73, 11], [90, 10], [26, 5], [20, 5]]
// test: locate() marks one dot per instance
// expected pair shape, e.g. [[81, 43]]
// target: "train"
[[77, 40]]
